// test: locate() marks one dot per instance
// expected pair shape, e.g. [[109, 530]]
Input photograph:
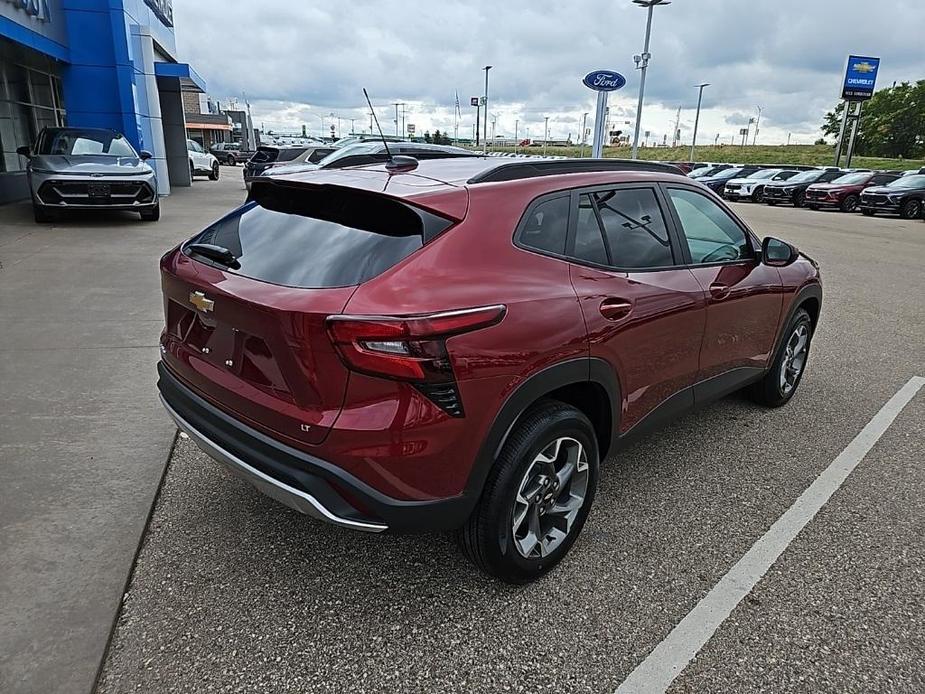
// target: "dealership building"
[[93, 63]]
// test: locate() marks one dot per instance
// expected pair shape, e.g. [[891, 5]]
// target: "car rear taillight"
[[410, 348]]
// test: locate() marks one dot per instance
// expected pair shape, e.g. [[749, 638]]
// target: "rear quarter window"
[[316, 238]]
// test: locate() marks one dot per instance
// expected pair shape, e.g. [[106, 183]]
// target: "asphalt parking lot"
[[235, 593]]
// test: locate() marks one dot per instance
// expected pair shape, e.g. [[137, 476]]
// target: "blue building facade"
[[92, 63]]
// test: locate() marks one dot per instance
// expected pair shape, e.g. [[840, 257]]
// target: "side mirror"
[[777, 253], [24, 151], [144, 155]]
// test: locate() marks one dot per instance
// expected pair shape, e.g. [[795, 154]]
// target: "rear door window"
[[631, 228], [312, 238]]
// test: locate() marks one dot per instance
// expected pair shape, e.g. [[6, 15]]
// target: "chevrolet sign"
[[163, 9], [860, 78]]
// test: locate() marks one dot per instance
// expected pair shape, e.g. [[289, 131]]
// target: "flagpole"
[[456, 121]]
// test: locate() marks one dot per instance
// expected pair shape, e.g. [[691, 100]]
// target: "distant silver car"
[[89, 169]]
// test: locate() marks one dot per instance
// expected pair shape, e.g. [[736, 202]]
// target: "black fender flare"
[[808, 291], [573, 371]]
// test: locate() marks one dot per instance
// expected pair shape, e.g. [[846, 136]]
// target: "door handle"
[[615, 309], [719, 291]]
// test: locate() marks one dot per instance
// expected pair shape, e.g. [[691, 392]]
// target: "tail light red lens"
[[411, 348]]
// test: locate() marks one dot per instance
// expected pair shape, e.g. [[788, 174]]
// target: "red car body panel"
[[287, 380]]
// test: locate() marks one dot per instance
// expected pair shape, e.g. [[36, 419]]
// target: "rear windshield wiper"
[[219, 254]]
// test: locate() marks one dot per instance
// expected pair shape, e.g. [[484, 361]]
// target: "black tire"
[[213, 174], [772, 203], [42, 215], [231, 160], [911, 209], [758, 195], [769, 391], [867, 213], [488, 537], [799, 199], [849, 204], [151, 215], [815, 208], [192, 171]]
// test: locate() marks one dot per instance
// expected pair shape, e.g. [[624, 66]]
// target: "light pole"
[[642, 63], [485, 143], [757, 123], [516, 126], [584, 122], [697, 119], [546, 136]]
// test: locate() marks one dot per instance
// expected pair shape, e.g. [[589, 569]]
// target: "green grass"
[[807, 155]]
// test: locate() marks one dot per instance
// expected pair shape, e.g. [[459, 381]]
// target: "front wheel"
[[849, 204], [758, 195], [813, 207], [231, 160], [772, 203], [537, 495], [911, 209], [781, 381], [799, 199], [42, 215], [213, 174], [151, 215], [867, 213]]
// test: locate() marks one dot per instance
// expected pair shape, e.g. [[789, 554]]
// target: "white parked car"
[[201, 163], [752, 187]]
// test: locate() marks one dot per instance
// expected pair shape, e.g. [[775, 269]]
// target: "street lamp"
[[757, 123], [584, 122], [546, 136], [697, 119], [485, 143], [642, 63]]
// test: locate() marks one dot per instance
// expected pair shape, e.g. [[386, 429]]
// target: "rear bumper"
[[301, 481]]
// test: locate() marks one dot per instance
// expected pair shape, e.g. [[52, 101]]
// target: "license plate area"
[[97, 191]]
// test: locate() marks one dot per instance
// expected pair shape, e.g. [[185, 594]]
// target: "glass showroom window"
[[30, 99]]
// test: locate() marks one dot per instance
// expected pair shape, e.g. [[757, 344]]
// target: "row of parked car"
[[871, 192]]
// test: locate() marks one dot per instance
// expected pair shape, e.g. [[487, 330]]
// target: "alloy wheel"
[[549, 498], [794, 361]]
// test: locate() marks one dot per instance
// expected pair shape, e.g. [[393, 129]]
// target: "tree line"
[[892, 123]]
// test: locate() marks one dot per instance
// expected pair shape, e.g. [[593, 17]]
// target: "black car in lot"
[[793, 190], [905, 196]]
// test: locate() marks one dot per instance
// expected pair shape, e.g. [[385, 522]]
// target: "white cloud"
[[298, 62]]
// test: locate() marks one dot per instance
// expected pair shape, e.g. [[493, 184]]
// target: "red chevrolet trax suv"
[[458, 344]]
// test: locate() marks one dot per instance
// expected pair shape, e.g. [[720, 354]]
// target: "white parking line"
[[671, 656]]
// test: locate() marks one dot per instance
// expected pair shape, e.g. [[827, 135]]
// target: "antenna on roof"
[[393, 163], [378, 127]]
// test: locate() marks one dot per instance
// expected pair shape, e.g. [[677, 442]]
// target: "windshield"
[[350, 150], [728, 173], [806, 177], [851, 179], [71, 142], [703, 171], [917, 181], [763, 174]]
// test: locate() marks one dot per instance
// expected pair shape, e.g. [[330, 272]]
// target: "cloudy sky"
[[299, 61]]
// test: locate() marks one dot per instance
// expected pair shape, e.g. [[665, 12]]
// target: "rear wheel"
[[213, 175], [537, 496], [231, 160], [849, 204], [781, 381], [911, 209]]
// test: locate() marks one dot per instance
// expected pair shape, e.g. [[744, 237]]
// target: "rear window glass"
[[318, 238], [289, 154]]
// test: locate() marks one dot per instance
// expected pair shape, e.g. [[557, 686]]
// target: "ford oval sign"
[[604, 81]]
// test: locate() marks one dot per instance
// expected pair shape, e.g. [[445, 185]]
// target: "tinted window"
[[546, 226], [634, 233], [77, 142], [307, 238], [711, 234], [289, 154], [830, 176], [882, 179], [589, 242]]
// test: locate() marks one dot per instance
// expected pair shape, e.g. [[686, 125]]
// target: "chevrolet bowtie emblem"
[[199, 300]]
